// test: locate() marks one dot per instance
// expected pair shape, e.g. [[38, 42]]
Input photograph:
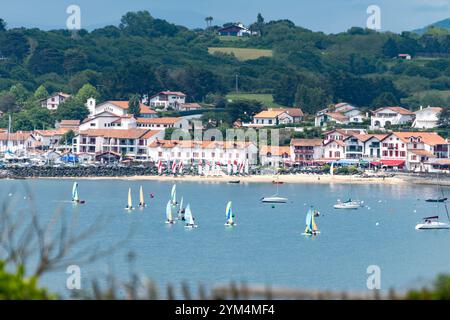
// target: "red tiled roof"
[[69, 122], [17, 136], [430, 138], [124, 105], [117, 133], [162, 120], [306, 142], [396, 109]]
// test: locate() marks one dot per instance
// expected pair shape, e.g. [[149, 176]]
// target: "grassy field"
[[243, 53], [231, 38], [265, 99]]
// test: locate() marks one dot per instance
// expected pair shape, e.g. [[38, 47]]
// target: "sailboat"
[[169, 215], [173, 195], [348, 204], [75, 197], [274, 198], [142, 203], [129, 206], [432, 223], [311, 226], [181, 211], [230, 215], [189, 218]]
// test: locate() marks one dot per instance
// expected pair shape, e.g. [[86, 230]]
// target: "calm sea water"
[[266, 247]]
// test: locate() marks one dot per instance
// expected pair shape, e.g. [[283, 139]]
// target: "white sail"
[[75, 192], [173, 194], [332, 168], [169, 212], [188, 215], [130, 204]]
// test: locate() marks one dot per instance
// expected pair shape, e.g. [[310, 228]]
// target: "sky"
[[329, 16]]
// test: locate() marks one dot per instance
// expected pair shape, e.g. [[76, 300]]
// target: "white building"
[[189, 151], [168, 99], [427, 118], [413, 149], [341, 113], [163, 123], [49, 139], [118, 108], [274, 156], [303, 150], [390, 116], [17, 142], [129, 142], [53, 102]]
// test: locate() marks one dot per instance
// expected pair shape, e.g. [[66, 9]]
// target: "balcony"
[[353, 149]]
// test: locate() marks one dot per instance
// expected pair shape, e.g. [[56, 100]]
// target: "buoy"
[[377, 224], [10, 195], [273, 207], [415, 211]]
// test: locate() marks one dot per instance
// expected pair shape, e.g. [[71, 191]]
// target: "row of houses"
[[345, 114], [414, 151], [163, 100]]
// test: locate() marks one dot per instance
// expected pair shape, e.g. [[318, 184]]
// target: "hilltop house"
[[390, 116], [167, 99], [53, 102], [341, 113], [427, 118], [276, 116], [236, 30]]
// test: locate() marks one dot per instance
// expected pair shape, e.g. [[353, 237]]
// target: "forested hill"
[[144, 55]]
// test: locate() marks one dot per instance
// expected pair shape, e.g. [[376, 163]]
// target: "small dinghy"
[[142, 203], [311, 226], [274, 198], [437, 200], [230, 216], [189, 218], [75, 198], [129, 205], [234, 181], [169, 216], [349, 204]]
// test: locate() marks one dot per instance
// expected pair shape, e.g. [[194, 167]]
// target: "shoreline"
[[287, 179]]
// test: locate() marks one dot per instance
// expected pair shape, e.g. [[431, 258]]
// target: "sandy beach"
[[297, 178]]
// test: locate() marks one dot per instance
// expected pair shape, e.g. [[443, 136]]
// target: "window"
[[237, 155], [385, 153], [414, 157], [203, 154], [213, 154], [415, 146], [396, 153], [385, 145], [179, 154], [402, 154], [160, 154]]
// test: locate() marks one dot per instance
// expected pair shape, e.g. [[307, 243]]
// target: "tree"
[[311, 99], [432, 99], [134, 106], [8, 102], [242, 109], [2, 25], [390, 49], [72, 109], [444, 118], [209, 21], [14, 286], [19, 92], [67, 138], [385, 99], [87, 91], [74, 60], [40, 93]]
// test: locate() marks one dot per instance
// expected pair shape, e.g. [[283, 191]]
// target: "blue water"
[[266, 247]]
